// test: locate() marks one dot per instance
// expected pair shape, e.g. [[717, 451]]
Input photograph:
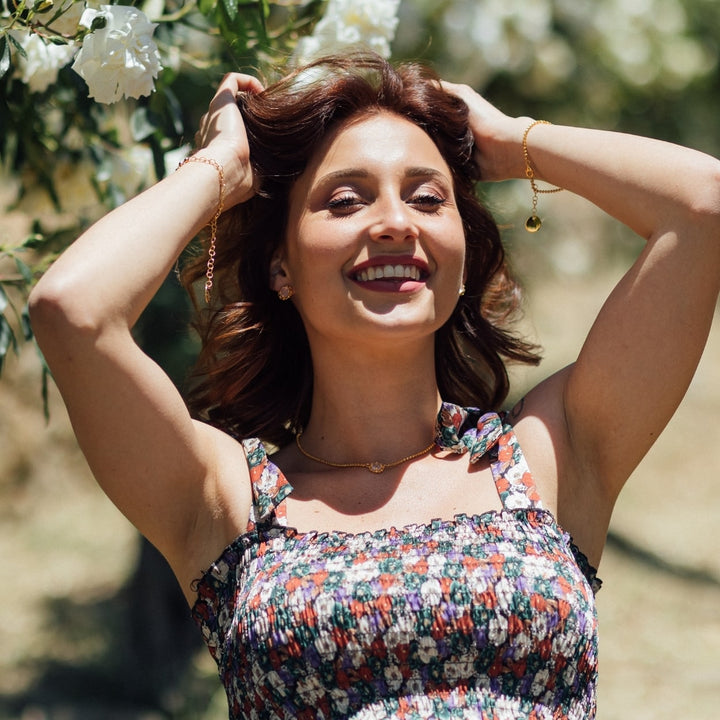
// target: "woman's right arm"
[[162, 469]]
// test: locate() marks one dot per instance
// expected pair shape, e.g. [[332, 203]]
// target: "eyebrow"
[[411, 172]]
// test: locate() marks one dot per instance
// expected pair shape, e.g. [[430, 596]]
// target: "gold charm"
[[533, 224]]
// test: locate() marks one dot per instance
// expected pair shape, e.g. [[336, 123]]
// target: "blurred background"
[[91, 623]]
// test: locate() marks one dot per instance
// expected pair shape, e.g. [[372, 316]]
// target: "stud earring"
[[286, 292], [461, 291]]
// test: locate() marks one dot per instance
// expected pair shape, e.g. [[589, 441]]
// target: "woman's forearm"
[[650, 185]]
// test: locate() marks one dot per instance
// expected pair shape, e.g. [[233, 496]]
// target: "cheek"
[[453, 247], [319, 245]]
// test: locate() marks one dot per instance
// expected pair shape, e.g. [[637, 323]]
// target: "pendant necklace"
[[374, 467]]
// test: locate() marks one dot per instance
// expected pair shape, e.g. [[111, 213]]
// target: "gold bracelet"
[[210, 269], [534, 223]]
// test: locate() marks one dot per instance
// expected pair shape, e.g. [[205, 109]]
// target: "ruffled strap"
[[463, 430], [269, 486]]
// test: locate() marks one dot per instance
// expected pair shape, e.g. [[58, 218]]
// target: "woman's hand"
[[222, 137], [498, 137]]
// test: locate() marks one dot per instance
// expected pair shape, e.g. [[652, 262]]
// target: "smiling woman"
[[410, 549], [311, 146]]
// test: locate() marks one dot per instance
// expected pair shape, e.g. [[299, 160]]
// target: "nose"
[[394, 221]]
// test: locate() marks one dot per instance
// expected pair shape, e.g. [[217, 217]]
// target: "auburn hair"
[[254, 373]]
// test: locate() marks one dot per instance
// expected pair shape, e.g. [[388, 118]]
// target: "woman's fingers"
[[498, 137], [223, 114], [233, 84], [222, 134]]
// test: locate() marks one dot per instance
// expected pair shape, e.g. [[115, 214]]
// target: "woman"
[[399, 556]]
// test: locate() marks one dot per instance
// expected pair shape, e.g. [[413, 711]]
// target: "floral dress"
[[487, 616]]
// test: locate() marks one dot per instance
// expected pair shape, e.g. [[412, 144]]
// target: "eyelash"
[[436, 201], [348, 201], [344, 201]]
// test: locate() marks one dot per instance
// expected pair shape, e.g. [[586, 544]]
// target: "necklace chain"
[[374, 467]]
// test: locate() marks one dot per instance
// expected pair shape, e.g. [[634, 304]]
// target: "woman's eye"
[[343, 202], [428, 201]]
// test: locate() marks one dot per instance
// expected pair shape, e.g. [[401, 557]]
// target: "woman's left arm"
[[642, 351]]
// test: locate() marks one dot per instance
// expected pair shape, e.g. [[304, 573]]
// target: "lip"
[[391, 285]]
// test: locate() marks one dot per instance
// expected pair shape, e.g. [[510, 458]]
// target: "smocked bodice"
[[482, 616]]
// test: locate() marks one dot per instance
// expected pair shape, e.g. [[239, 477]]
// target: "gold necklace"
[[374, 467]]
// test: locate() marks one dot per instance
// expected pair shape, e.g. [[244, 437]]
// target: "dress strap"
[[269, 487], [469, 430], [513, 479]]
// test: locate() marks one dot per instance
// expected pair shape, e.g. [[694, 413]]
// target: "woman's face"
[[375, 246]]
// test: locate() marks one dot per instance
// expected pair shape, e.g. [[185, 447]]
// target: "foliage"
[[88, 156]]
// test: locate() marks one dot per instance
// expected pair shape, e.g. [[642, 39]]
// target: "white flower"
[[539, 682], [400, 632], [351, 23], [393, 677], [42, 61], [310, 690], [340, 700], [326, 646], [497, 630], [426, 649], [431, 592], [121, 58]]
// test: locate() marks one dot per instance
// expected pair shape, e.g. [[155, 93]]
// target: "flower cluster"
[[112, 46], [351, 23], [119, 58]]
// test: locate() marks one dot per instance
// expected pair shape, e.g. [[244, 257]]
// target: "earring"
[[461, 291], [286, 292]]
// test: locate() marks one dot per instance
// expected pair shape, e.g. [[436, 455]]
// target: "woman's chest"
[[358, 501]]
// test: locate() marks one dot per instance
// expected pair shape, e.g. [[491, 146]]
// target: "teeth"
[[408, 272]]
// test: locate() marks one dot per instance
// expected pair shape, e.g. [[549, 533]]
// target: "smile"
[[389, 272]]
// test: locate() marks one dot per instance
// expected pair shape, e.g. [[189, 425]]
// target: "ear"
[[279, 275]]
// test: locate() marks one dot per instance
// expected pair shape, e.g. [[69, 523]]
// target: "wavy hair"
[[254, 372]]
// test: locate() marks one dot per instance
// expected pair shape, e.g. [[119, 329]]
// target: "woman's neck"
[[372, 405]]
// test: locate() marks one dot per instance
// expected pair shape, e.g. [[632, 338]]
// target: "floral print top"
[[487, 616]]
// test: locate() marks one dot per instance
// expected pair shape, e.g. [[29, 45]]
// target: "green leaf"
[[98, 23], [24, 270], [142, 124], [206, 7], [16, 45], [4, 55], [4, 302], [26, 326], [34, 241], [7, 340], [174, 110], [44, 388], [231, 8]]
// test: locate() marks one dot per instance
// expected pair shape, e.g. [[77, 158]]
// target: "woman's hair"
[[254, 373]]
